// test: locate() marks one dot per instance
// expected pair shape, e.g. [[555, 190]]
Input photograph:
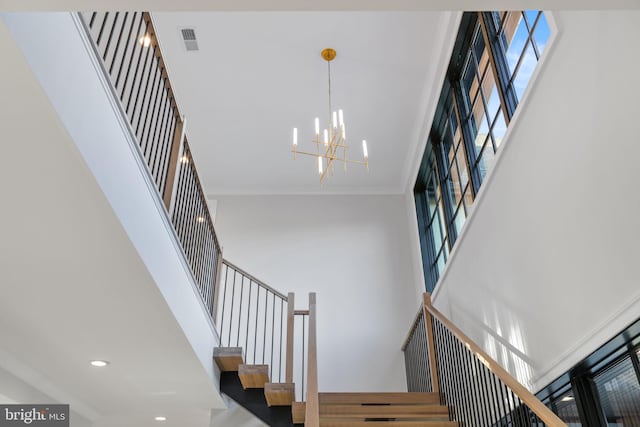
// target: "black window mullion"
[[467, 137], [427, 241], [499, 57], [445, 192]]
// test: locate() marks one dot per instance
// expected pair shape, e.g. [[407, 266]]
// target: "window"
[[494, 58], [604, 388]]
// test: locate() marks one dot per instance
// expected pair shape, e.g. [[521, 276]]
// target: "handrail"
[[525, 396], [254, 279], [312, 410]]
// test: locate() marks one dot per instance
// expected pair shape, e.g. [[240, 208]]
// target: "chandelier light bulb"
[[340, 118], [364, 149], [320, 165], [317, 126], [326, 137], [295, 136], [335, 120]]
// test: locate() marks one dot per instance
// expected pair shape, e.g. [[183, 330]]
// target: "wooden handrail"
[[312, 411], [544, 413]]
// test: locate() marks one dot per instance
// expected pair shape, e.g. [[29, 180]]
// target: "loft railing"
[[252, 315], [439, 357], [127, 46]]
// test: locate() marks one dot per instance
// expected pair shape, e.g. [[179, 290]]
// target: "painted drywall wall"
[[547, 267], [352, 251]]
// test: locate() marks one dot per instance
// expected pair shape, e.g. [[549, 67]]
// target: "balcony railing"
[[127, 45]]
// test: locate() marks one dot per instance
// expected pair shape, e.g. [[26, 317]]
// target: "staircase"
[[274, 403]]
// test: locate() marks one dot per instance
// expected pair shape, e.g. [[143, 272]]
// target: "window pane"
[[462, 167], [619, 394], [524, 71], [456, 192], [541, 33], [459, 219], [567, 410], [486, 159], [440, 263], [499, 128], [516, 45], [470, 83]]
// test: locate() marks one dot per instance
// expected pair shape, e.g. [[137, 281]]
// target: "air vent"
[[189, 38]]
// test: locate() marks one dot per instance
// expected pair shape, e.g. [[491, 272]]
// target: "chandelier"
[[331, 145]]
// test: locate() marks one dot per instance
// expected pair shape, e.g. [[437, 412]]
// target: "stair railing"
[[126, 44], [439, 357], [252, 315]]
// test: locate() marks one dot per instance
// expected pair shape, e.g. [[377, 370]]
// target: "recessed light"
[[567, 398], [99, 363], [160, 418]]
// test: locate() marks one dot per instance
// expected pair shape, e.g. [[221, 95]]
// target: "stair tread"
[[383, 411], [228, 359], [279, 394], [399, 398], [253, 376], [351, 423]]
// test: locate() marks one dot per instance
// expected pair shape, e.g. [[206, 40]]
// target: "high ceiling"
[[257, 75]]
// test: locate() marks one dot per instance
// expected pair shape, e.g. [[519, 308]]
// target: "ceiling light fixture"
[[160, 418], [99, 363], [567, 399], [332, 146]]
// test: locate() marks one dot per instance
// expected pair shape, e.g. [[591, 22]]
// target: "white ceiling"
[[73, 286], [258, 75]]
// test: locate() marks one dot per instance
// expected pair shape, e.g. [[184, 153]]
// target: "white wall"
[[547, 268], [354, 252]]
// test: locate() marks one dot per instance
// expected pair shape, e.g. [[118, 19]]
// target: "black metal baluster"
[[224, 300], [273, 319], [115, 51], [264, 331], [280, 359], [113, 27], [246, 339], [104, 22], [240, 310], [233, 297], [255, 332], [124, 54]]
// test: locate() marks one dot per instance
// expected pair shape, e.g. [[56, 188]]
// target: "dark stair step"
[[254, 400]]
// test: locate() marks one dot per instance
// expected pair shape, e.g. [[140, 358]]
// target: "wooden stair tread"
[[397, 398], [298, 412], [279, 394], [253, 376], [228, 358], [383, 411], [331, 423]]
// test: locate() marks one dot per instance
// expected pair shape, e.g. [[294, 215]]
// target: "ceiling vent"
[[189, 38]]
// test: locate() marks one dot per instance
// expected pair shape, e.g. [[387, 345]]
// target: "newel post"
[[174, 165], [290, 328], [435, 386]]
